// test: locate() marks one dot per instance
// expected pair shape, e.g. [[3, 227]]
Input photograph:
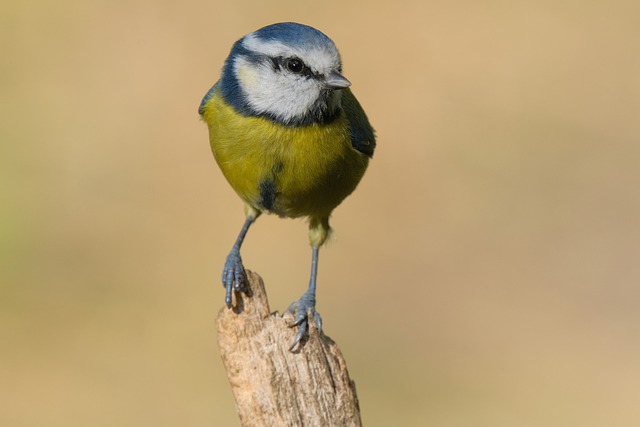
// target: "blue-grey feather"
[[207, 97], [363, 136], [293, 33]]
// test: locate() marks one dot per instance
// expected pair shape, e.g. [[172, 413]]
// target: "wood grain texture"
[[273, 386]]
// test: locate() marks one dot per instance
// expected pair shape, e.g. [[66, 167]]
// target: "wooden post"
[[273, 386]]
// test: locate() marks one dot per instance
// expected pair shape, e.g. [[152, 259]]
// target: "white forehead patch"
[[320, 57]]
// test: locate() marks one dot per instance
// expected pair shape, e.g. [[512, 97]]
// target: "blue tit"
[[290, 138]]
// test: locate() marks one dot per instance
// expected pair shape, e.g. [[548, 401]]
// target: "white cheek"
[[247, 76], [276, 92]]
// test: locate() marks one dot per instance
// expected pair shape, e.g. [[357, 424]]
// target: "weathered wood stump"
[[273, 386]]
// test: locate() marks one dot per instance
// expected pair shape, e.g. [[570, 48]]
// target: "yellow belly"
[[290, 171]]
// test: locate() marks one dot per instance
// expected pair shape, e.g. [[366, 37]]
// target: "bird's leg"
[[306, 303], [319, 231], [233, 275]]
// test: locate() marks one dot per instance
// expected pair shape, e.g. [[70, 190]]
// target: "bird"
[[290, 138]]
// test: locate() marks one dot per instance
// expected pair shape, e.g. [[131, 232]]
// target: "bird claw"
[[301, 310], [233, 276]]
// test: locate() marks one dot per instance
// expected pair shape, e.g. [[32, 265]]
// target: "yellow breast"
[[291, 171]]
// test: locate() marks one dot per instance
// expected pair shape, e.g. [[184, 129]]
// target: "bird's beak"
[[335, 80]]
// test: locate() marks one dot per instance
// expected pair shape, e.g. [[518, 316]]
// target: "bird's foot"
[[301, 310], [233, 275]]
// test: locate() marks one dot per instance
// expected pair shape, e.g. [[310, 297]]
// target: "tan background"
[[485, 273]]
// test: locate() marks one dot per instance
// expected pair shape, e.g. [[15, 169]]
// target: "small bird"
[[290, 138]]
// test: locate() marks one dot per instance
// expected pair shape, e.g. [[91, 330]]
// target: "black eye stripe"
[[275, 62], [293, 65]]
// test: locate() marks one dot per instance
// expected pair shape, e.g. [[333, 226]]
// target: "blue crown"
[[293, 34]]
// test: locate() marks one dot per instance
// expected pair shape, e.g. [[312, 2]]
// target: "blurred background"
[[485, 272]]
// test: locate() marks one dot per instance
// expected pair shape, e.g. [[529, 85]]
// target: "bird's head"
[[288, 72]]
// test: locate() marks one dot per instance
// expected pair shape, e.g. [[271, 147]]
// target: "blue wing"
[[363, 136], [206, 98]]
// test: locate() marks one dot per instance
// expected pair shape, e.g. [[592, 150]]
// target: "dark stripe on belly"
[[267, 194]]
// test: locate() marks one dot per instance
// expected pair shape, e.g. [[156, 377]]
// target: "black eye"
[[295, 65]]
